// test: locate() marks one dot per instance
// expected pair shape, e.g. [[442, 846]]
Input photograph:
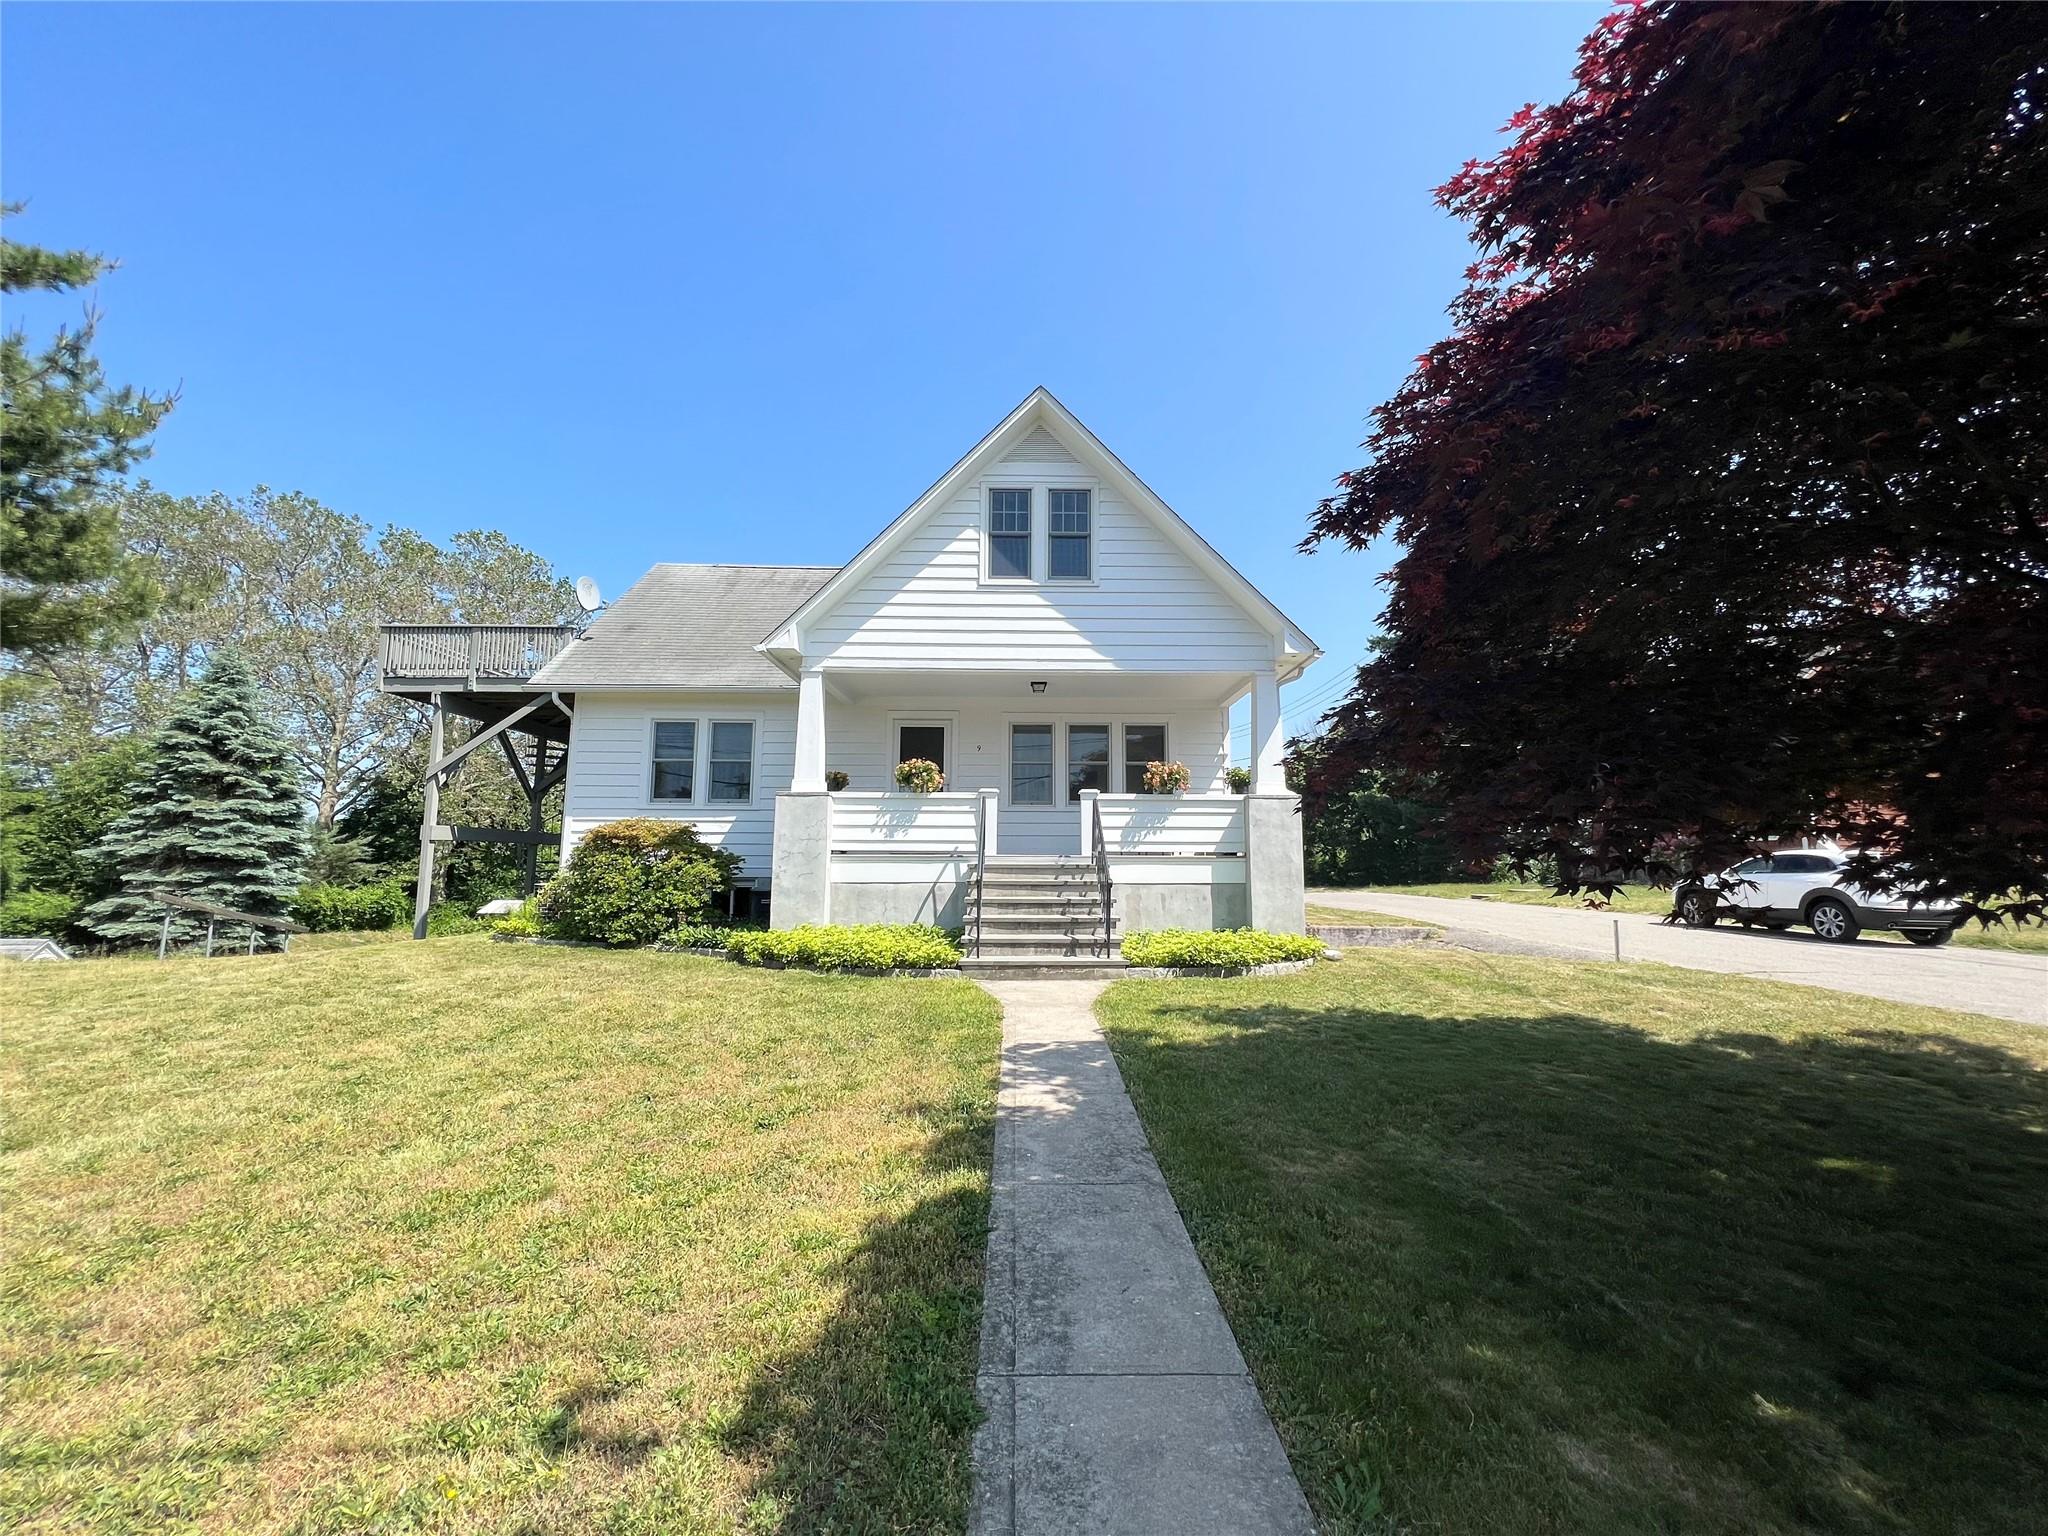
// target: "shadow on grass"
[[867, 1428], [1548, 1273]]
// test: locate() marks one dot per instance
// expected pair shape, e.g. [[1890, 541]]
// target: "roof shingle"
[[688, 626]]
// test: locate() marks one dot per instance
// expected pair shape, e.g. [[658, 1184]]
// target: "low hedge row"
[[352, 908], [1221, 947], [854, 947], [38, 914]]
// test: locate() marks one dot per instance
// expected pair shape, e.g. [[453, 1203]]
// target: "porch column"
[[809, 774], [801, 876], [1274, 885], [1269, 740]]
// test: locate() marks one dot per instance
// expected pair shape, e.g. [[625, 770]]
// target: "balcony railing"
[[476, 652]]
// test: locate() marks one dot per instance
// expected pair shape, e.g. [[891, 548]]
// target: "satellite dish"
[[586, 595]]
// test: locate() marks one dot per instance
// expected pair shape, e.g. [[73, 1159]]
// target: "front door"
[[925, 739]]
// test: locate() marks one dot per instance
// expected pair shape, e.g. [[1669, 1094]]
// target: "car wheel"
[[1696, 909], [1928, 938], [1832, 920]]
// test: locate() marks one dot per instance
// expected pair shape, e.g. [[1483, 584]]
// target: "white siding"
[[926, 605], [609, 767]]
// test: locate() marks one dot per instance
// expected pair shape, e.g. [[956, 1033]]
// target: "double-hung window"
[[675, 760], [1069, 533], [1143, 745], [1031, 765], [1087, 759], [1009, 535], [732, 762]]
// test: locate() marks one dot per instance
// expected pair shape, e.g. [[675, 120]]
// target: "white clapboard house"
[[1039, 624]]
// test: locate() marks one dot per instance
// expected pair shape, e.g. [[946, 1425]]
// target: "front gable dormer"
[[1040, 551]]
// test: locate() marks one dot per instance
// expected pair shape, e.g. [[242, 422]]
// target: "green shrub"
[[856, 947], [352, 908], [708, 935], [523, 924], [447, 919], [1239, 780], [635, 882], [37, 914], [1231, 947]]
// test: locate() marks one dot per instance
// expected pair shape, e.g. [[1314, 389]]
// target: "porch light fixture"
[[1038, 687]]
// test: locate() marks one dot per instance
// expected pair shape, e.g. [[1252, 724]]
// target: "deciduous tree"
[[1724, 508]]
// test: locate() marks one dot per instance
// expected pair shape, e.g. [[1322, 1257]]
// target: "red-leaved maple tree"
[[1724, 508]]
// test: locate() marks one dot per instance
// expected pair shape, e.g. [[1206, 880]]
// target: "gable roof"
[[1040, 414], [686, 626]]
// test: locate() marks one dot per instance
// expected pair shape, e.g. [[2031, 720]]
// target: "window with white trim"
[[1143, 745], [1031, 765], [1070, 536], [732, 762], [675, 760], [1009, 535], [1087, 759]]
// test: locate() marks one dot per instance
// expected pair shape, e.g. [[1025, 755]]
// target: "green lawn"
[[1521, 1246], [470, 1237], [1637, 898]]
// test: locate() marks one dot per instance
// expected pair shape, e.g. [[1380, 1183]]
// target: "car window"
[[1761, 866], [1806, 864]]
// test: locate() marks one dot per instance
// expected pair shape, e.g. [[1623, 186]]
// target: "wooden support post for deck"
[[430, 813]]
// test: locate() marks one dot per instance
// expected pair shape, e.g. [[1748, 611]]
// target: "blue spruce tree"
[[218, 820]]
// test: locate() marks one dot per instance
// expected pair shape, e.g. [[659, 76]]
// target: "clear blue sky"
[[644, 283]]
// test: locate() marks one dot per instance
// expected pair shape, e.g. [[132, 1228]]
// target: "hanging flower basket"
[[1166, 778], [920, 776]]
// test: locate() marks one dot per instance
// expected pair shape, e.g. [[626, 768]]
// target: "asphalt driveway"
[[2004, 984]]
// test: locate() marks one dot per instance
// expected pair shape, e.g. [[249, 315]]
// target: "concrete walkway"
[[1117, 1400]]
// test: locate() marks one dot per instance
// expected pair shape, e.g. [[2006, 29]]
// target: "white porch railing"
[[1173, 824], [937, 826]]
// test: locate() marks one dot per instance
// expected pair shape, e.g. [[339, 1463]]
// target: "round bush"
[[635, 882], [1228, 947]]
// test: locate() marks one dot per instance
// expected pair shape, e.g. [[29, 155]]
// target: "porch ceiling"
[[1013, 689]]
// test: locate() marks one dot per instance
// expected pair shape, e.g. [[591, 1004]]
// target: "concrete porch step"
[[1044, 968], [1006, 922], [1042, 944]]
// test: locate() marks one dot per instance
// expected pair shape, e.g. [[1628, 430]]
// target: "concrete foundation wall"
[[1141, 908], [802, 889], [1274, 885], [943, 902]]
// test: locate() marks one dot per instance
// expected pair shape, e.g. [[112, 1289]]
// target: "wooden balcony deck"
[[471, 658]]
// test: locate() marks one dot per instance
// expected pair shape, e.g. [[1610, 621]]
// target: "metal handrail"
[[1101, 873], [980, 875]]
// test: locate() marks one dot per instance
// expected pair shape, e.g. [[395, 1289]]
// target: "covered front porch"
[[1038, 767]]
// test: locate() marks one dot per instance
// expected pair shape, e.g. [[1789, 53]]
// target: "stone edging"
[[1379, 936]]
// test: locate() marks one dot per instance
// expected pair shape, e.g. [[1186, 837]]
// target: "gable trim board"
[[1038, 419]]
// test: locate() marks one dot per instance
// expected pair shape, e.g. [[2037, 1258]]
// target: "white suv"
[[1805, 885]]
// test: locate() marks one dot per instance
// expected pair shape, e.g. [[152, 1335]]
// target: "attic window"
[[1009, 535], [1068, 530]]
